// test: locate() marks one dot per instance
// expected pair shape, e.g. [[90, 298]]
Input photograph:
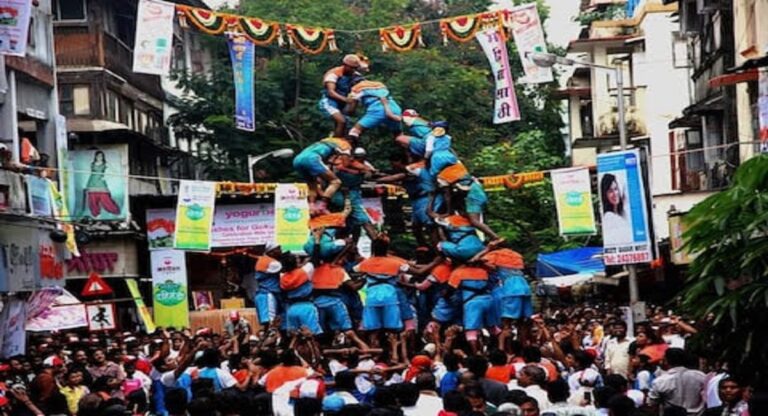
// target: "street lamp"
[[279, 153], [547, 60]]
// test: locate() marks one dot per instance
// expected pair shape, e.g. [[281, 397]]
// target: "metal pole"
[[250, 168], [634, 292]]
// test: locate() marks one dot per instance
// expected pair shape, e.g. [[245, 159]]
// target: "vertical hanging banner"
[[14, 26], [241, 52], [194, 215], [505, 105], [154, 37], [61, 213], [529, 37], [762, 108], [161, 225], [622, 201], [291, 217], [573, 197], [14, 317], [39, 196], [169, 288], [133, 288]]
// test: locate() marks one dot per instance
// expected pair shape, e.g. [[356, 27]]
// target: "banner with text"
[[242, 53], [573, 197], [506, 108], [169, 288], [626, 239], [291, 217], [529, 37], [54, 309], [146, 317], [14, 26], [233, 226], [154, 37], [194, 215]]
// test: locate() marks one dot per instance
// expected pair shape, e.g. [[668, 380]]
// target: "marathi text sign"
[[506, 108], [242, 53], [154, 37], [529, 37], [169, 288], [291, 217], [626, 239], [194, 215], [14, 26], [233, 226], [573, 197]]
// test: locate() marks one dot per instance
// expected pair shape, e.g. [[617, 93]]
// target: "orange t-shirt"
[[500, 373], [280, 375]]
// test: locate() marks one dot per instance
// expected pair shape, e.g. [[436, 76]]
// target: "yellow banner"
[[133, 287], [291, 217]]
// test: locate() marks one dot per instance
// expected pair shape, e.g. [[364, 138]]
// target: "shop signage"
[[92, 262]]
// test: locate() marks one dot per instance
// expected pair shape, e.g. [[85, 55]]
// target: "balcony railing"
[[75, 46], [700, 170]]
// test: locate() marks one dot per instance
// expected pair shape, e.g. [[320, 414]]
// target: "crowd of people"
[[448, 329], [563, 362]]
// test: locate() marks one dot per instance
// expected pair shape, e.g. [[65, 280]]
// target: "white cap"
[[271, 246], [430, 349]]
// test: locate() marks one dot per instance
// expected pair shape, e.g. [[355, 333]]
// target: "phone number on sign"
[[628, 258]]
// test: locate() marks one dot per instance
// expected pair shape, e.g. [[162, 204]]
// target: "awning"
[[586, 260], [733, 79]]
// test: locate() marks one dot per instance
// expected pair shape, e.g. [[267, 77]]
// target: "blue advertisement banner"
[[242, 54], [626, 239]]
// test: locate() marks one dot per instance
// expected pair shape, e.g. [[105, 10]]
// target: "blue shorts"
[[406, 309], [328, 107], [447, 310], [463, 250], [333, 314], [417, 146], [375, 116], [479, 313], [266, 307], [309, 165], [476, 199], [382, 317], [516, 307], [303, 314]]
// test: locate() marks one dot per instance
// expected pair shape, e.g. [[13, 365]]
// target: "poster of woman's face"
[[97, 185], [617, 221]]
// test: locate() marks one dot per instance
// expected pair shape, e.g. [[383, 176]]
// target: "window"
[[74, 100], [69, 10], [679, 50], [112, 103]]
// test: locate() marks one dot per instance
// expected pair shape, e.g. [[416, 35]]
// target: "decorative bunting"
[[204, 20], [401, 38], [260, 32], [463, 28], [311, 40]]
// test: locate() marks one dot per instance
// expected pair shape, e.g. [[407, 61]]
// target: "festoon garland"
[[315, 40]]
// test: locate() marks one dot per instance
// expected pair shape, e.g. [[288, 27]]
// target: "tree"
[[728, 283], [451, 83]]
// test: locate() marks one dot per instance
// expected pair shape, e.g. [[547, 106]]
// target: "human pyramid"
[[454, 279]]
